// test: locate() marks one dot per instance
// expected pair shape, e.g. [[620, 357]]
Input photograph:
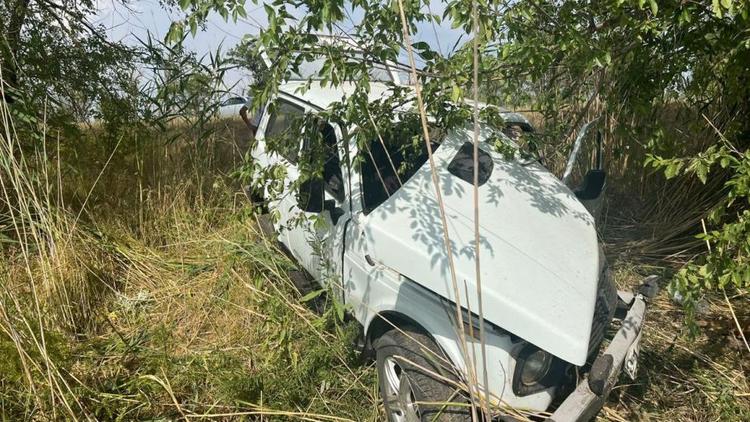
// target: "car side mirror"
[[595, 179], [592, 186], [310, 195]]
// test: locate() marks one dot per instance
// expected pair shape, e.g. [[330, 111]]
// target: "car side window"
[[278, 129], [379, 180], [233, 101], [321, 149]]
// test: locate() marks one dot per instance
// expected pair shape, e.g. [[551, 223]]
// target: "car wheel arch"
[[386, 320]]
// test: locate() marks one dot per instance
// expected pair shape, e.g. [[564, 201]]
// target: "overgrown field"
[[135, 285], [161, 300]]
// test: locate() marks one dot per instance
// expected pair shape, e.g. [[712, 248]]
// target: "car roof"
[[322, 97]]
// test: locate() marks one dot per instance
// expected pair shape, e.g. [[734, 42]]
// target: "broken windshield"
[[391, 160]]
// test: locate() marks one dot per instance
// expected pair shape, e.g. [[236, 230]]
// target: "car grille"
[[606, 302]]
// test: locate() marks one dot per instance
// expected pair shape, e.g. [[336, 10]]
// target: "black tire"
[[416, 355], [265, 224], [256, 199]]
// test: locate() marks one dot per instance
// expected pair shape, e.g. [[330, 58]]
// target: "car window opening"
[[405, 151], [278, 133], [321, 149], [311, 70], [233, 101]]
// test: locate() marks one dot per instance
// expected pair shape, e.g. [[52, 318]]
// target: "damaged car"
[[557, 332]]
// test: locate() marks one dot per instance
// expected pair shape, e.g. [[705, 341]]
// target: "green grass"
[[219, 336]]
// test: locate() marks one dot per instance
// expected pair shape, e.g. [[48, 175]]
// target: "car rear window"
[[462, 165]]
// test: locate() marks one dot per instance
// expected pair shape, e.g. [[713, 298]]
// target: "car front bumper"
[[591, 393]]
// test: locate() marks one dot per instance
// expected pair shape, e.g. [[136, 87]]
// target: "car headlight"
[[535, 367], [536, 370]]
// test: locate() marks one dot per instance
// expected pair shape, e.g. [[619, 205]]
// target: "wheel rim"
[[401, 404]]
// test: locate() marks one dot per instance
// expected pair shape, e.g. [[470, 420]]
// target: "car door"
[[584, 171], [274, 149], [365, 279], [312, 236], [316, 241], [336, 215]]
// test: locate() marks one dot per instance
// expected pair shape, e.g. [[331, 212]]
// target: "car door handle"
[[369, 260]]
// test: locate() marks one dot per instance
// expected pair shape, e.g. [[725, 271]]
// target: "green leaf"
[[184, 4], [339, 310], [175, 32], [455, 93], [270, 12], [421, 45], [427, 55], [193, 26], [506, 51], [654, 7], [312, 295], [716, 8], [673, 169], [685, 16], [702, 173]]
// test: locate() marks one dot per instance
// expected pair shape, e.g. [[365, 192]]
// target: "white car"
[[548, 296], [230, 108]]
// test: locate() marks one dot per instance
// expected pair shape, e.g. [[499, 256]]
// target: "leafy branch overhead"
[[627, 60]]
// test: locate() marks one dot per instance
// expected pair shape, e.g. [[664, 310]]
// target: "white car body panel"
[[386, 291], [230, 111], [299, 238], [321, 97]]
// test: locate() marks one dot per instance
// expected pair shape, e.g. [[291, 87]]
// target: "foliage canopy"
[[634, 62]]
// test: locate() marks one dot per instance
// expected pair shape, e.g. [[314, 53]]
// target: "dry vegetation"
[[680, 378], [135, 286], [161, 300]]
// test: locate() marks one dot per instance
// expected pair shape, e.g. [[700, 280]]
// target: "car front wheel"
[[416, 381]]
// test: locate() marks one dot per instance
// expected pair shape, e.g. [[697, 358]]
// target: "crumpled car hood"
[[539, 252]]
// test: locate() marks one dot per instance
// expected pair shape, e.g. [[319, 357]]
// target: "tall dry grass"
[[135, 286], [43, 282]]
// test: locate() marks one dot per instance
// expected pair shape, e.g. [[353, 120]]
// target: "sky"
[[134, 20]]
